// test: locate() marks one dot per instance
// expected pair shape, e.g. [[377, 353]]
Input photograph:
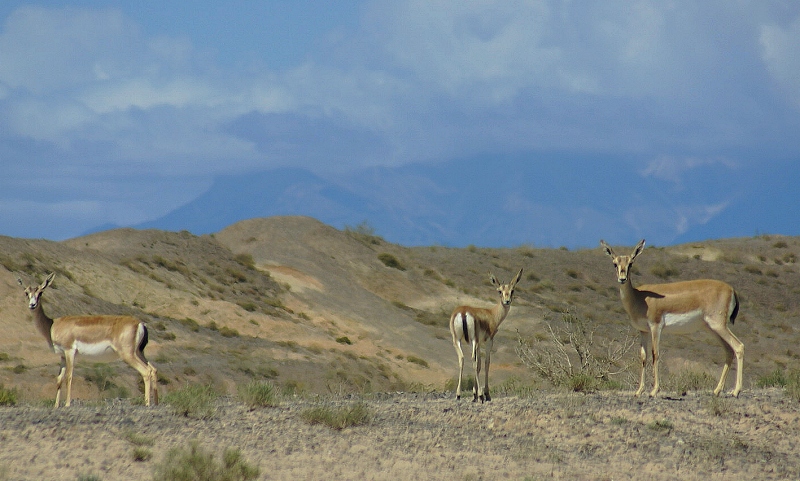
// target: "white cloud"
[[782, 57], [673, 168], [45, 50], [415, 81]]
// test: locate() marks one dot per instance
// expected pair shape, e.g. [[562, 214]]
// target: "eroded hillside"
[[317, 309]]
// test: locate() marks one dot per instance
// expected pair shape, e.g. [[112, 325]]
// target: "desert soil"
[[548, 435]]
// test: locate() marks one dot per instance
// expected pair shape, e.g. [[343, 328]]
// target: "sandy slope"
[[429, 436]]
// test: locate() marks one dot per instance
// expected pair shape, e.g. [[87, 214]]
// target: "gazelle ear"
[[494, 280], [20, 281], [607, 248], [517, 278], [48, 280], [638, 249]]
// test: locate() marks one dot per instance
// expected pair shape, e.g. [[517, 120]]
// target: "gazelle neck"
[[499, 313], [43, 323], [629, 295]]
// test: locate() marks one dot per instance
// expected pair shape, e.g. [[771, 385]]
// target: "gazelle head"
[[33, 293], [506, 290], [623, 263]]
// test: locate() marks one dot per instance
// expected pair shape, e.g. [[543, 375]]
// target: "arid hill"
[[320, 310]]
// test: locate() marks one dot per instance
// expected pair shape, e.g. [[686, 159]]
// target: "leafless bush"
[[573, 357]]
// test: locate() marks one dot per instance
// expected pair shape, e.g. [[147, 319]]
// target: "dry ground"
[[320, 311], [546, 435]]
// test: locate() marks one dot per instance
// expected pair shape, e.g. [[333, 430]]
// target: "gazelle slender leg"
[[655, 346], [60, 380], [146, 370], [460, 355], [476, 362], [486, 396], [643, 361], [154, 382], [739, 369], [733, 348], [69, 357]]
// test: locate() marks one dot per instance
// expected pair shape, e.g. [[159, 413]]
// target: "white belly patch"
[[94, 349], [685, 322]]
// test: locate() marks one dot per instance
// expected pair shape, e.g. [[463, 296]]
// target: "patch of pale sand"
[[698, 251], [299, 281]]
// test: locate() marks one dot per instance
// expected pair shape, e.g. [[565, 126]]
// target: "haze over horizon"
[[488, 122]]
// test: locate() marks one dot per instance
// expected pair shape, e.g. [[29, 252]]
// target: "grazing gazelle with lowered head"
[[476, 326], [679, 307], [92, 335]]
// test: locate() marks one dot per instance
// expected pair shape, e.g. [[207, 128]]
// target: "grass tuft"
[[339, 418], [194, 401], [8, 397], [197, 464], [258, 394]]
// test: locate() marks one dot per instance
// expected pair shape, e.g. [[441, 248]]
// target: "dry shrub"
[[571, 356]]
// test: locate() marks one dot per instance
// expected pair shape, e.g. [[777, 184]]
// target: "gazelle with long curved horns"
[[476, 326], [680, 307], [92, 335]]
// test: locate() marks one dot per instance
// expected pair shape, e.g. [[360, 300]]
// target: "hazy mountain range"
[[506, 201]]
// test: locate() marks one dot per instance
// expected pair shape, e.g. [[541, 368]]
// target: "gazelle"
[[92, 335], [679, 307], [477, 325]]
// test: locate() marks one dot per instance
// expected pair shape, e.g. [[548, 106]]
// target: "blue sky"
[[120, 112]]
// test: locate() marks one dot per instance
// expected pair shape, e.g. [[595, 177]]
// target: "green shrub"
[[661, 425], [88, 477], [753, 270], [190, 324], [418, 361], [196, 464], [582, 382], [142, 454], [138, 439], [248, 306], [344, 340], [246, 260], [793, 385], [687, 380], [776, 378], [258, 394], [515, 387], [467, 384], [196, 401], [8, 397], [338, 418], [391, 261], [226, 331], [101, 374], [719, 406], [663, 271], [364, 233]]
